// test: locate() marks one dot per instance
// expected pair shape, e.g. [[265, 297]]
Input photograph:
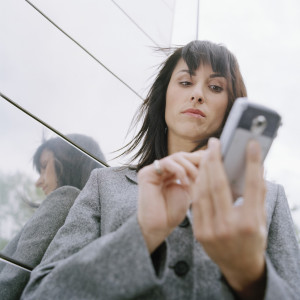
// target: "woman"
[[127, 235], [60, 163], [64, 170]]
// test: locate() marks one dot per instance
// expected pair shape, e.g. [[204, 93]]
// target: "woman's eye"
[[185, 83], [43, 166], [216, 88]]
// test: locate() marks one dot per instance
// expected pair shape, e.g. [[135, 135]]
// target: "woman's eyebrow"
[[214, 75], [186, 71], [192, 73]]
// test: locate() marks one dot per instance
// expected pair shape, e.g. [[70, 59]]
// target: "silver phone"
[[246, 121]]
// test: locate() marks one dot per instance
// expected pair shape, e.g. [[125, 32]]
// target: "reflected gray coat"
[[100, 252], [30, 244]]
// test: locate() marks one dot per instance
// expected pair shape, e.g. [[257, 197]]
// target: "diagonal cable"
[[132, 20], [84, 49], [53, 129], [14, 262]]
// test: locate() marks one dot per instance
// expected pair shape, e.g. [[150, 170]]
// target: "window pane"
[[39, 182]]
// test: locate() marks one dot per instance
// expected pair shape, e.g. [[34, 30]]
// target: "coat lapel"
[[131, 176]]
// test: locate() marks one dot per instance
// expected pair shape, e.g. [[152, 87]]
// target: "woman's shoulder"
[[275, 193], [273, 187], [60, 199], [65, 189], [276, 200], [115, 174]]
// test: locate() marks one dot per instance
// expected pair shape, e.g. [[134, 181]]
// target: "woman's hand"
[[164, 195], [233, 236]]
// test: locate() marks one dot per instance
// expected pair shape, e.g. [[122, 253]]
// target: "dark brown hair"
[[72, 166], [152, 137]]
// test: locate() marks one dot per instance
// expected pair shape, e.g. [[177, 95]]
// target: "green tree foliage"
[[18, 201]]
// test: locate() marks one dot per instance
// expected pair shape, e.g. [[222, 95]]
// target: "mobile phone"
[[246, 121]]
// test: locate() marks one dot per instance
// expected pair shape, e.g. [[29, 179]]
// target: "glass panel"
[[50, 76], [149, 16], [107, 33], [170, 3], [185, 22], [54, 79], [40, 177]]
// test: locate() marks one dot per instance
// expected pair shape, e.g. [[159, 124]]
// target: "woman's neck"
[[180, 145]]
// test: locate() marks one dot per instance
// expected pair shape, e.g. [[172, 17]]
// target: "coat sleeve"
[[283, 255], [30, 244], [81, 264]]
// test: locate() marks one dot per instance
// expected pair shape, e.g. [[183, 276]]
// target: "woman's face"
[[195, 106], [48, 179]]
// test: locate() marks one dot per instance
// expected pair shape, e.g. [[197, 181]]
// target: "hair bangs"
[[199, 53]]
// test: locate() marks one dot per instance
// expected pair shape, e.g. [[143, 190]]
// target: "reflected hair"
[[151, 139], [72, 166]]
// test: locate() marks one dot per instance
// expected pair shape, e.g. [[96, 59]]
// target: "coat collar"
[[131, 176]]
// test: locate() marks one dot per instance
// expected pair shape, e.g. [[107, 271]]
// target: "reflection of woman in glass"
[[127, 235], [64, 170], [48, 178], [57, 161]]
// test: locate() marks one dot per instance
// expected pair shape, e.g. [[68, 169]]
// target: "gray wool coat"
[[100, 252], [30, 244]]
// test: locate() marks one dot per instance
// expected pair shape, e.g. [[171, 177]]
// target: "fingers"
[[212, 200], [179, 167], [219, 186], [233, 236], [255, 189], [202, 206], [162, 201]]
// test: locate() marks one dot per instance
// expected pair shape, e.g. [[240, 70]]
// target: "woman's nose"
[[197, 95], [39, 182], [200, 99]]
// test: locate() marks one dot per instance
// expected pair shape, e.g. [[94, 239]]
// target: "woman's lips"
[[194, 113]]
